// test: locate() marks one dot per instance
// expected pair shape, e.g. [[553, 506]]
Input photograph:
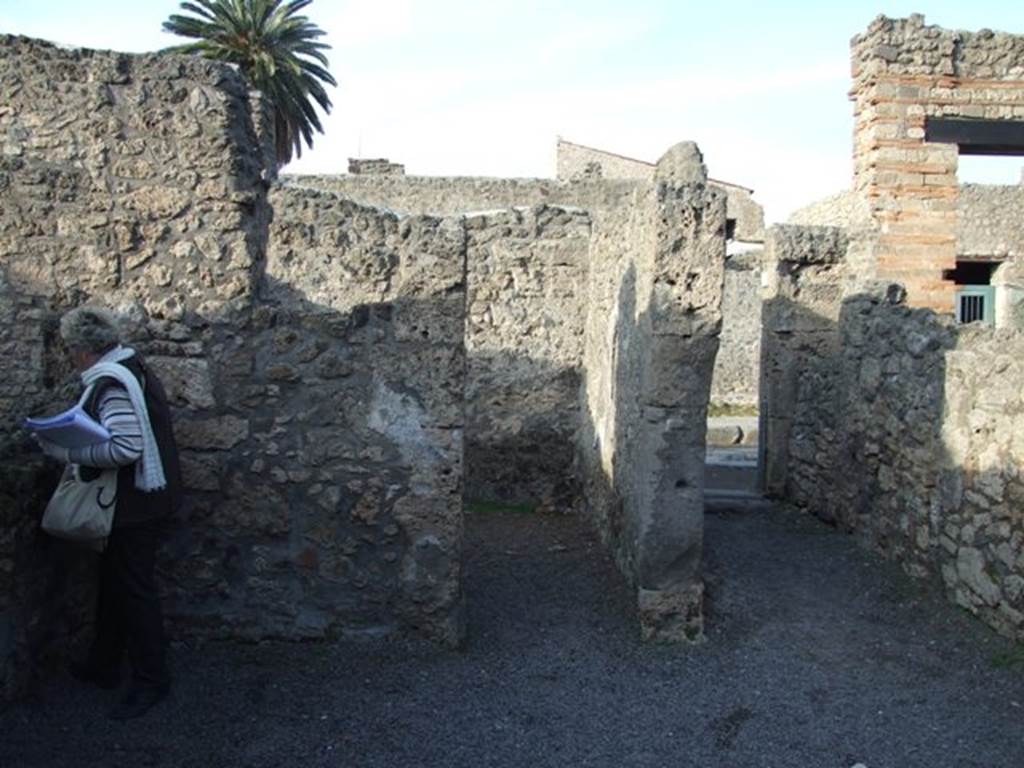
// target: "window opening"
[[975, 295]]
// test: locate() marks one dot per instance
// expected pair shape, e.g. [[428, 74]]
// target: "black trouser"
[[128, 615]]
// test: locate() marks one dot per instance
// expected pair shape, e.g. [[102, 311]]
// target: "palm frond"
[[276, 49]]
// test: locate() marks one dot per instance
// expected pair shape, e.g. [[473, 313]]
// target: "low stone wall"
[[843, 209], [650, 342]]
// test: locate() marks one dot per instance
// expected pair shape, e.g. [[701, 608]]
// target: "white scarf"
[[149, 469]]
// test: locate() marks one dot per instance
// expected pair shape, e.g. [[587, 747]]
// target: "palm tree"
[[277, 52]]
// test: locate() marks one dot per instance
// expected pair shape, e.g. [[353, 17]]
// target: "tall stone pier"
[[657, 270]]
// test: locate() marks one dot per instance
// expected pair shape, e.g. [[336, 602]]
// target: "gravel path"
[[818, 655]]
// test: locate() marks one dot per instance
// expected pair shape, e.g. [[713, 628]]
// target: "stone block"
[[218, 433], [187, 381], [672, 615]]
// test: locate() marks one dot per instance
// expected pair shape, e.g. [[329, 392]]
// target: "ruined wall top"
[[580, 162], [128, 174], [380, 166], [987, 218], [908, 46], [682, 164]]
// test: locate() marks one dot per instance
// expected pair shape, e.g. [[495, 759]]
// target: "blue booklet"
[[71, 429]]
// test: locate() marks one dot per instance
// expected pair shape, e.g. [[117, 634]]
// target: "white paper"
[[71, 429]]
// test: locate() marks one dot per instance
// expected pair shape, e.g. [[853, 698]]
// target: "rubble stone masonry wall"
[[989, 222], [576, 161], [735, 380], [512, 435], [527, 255], [527, 298], [898, 426], [804, 274], [313, 351], [454, 195], [317, 355]]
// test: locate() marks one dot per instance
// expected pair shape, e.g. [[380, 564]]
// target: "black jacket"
[[135, 507]]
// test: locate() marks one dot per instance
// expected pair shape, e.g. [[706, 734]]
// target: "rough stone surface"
[[527, 300], [738, 362], [525, 316], [579, 162], [318, 351], [988, 228], [804, 282], [313, 351], [895, 424], [651, 336]]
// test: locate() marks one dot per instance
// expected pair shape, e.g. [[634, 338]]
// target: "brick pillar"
[[910, 185]]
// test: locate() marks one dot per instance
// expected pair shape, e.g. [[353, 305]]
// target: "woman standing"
[[129, 400]]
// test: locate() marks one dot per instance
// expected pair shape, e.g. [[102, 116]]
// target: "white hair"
[[90, 329]]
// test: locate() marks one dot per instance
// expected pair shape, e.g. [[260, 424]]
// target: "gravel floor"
[[817, 655]]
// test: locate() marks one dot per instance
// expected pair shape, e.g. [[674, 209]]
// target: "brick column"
[[910, 185], [904, 73]]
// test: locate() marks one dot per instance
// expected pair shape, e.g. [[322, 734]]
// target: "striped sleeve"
[[125, 444]]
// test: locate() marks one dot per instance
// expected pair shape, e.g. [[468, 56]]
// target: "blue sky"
[[483, 88]]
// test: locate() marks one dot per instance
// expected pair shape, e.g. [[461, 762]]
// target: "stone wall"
[[371, 166], [579, 162], [527, 264], [109, 164], [441, 195], [804, 273], [896, 425], [526, 278], [735, 380], [842, 210], [736, 377], [978, 541], [575, 161], [905, 73], [651, 336], [35, 574], [925, 467], [989, 222], [313, 351], [453, 195], [988, 229]]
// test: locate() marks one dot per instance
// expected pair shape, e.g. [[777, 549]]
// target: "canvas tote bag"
[[82, 510]]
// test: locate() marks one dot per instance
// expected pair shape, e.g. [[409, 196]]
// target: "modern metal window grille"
[[976, 303]]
